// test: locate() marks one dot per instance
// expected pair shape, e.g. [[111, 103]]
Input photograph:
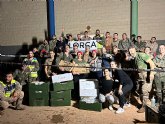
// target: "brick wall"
[[152, 19], [107, 15], [23, 20]]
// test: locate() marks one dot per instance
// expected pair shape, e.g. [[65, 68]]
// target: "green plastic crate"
[[38, 102], [39, 95], [60, 102], [55, 95], [68, 85], [41, 87], [90, 106]]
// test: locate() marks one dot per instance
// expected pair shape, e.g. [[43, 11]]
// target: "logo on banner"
[[82, 44]]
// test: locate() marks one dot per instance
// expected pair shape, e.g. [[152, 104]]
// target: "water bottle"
[[153, 102]]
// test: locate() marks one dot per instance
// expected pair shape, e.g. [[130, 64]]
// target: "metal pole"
[[51, 18], [134, 17]]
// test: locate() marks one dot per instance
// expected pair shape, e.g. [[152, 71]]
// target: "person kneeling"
[[106, 89], [11, 93]]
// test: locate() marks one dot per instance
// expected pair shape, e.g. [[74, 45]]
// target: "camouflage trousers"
[[159, 85], [28, 78], [145, 85], [5, 104]]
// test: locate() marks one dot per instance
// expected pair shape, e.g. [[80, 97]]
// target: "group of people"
[[104, 64]]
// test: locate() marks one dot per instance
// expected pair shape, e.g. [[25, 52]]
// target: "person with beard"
[[48, 65], [11, 93], [66, 57]]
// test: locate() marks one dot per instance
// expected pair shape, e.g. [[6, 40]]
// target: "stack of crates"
[[89, 88], [38, 94], [60, 94]]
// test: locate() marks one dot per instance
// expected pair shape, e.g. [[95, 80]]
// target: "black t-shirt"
[[122, 77], [106, 86]]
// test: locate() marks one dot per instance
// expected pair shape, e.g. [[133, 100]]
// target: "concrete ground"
[[71, 115]]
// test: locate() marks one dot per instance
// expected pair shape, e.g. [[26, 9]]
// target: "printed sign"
[[88, 92], [88, 84], [62, 77], [93, 44]]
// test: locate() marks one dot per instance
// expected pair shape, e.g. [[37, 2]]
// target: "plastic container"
[[153, 102]]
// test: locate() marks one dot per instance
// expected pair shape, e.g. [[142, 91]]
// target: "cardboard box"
[[38, 102], [88, 84], [60, 102], [38, 87], [90, 106], [68, 85], [55, 95], [88, 92]]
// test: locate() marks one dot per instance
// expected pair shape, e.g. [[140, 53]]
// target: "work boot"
[[20, 108], [141, 110], [1, 113]]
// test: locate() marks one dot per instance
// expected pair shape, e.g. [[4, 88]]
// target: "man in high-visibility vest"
[[11, 93], [31, 67]]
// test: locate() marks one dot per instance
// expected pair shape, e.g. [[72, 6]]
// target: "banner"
[[93, 44]]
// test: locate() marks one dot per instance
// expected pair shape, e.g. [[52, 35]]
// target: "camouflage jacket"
[[160, 64], [8, 87]]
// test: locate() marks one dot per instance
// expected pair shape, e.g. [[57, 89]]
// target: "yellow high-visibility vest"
[[33, 74], [9, 89], [99, 46]]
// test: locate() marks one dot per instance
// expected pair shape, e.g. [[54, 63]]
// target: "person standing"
[[125, 43], [143, 61], [66, 57], [159, 79], [76, 75], [108, 42], [52, 43], [86, 37], [122, 87], [43, 48], [87, 54], [153, 45], [31, 67], [48, 65], [140, 45], [95, 64], [115, 40], [97, 36], [74, 51]]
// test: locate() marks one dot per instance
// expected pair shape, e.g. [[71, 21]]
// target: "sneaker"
[[110, 108], [119, 110], [127, 105], [101, 98]]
